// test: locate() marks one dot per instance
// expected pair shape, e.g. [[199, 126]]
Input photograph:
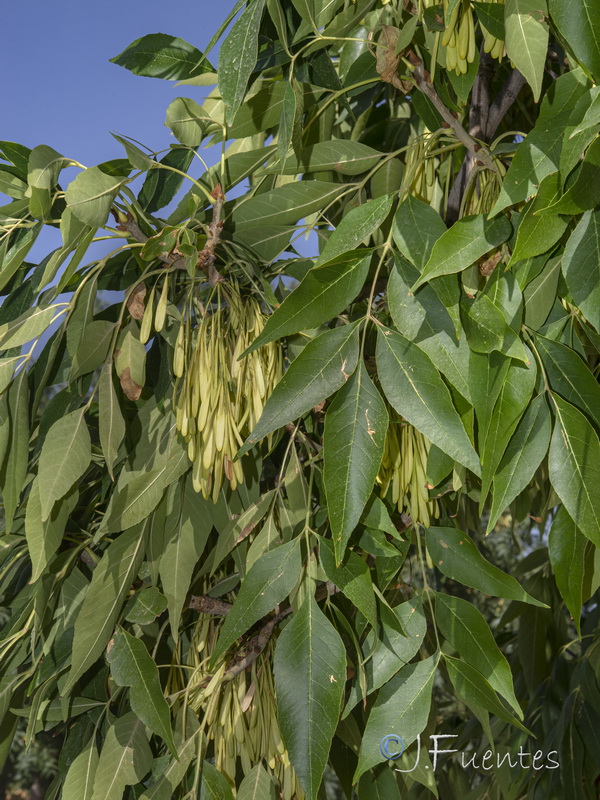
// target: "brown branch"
[[250, 650], [484, 120], [481, 96], [206, 257], [209, 605], [503, 101], [478, 116], [423, 82]]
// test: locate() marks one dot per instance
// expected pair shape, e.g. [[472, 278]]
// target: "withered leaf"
[[135, 303], [129, 386]]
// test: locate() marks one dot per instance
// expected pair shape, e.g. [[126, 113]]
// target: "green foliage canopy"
[[246, 493]]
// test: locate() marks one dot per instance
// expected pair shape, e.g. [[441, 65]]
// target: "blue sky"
[[59, 87], [61, 90]]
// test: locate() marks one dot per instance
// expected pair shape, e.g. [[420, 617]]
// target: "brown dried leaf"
[[135, 303], [388, 59], [488, 265], [245, 533], [129, 386]]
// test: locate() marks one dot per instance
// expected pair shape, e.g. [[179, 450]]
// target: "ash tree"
[[270, 519]]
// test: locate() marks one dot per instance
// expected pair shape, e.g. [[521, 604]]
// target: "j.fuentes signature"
[[392, 747]]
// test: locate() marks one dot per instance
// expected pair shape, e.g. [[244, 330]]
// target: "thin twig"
[[206, 257]]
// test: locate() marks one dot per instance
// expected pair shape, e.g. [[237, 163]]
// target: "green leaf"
[[188, 121], [268, 583], [537, 234], [417, 227], [423, 319], [20, 244], [237, 167], [566, 550], [462, 244], [125, 758], [512, 401], [182, 550], [464, 626], [577, 135], [324, 292], [352, 576], [111, 422], [581, 266], [11, 184], [588, 117], [130, 364], [486, 375], [472, 687], [357, 226], [570, 377], [44, 538], [135, 500], [285, 205], [322, 367], [457, 557], [574, 467], [487, 329], [186, 742], [65, 456], [415, 389], [540, 294], [310, 674], [382, 785], [16, 154], [29, 325], [238, 527], [43, 170], [111, 581], [579, 25], [145, 606], [161, 184], [539, 154], [132, 665], [93, 348], [257, 785], [523, 456], [341, 155], [402, 630], [491, 16], [290, 126], [356, 425], [158, 55], [214, 786], [402, 708], [15, 443], [237, 58], [136, 157], [91, 194], [584, 192], [527, 39], [7, 371], [376, 516], [79, 781]]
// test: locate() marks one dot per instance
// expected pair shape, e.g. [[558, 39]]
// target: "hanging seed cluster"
[[483, 189], [403, 470], [420, 172], [219, 398], [238, 715], [458, 38]]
